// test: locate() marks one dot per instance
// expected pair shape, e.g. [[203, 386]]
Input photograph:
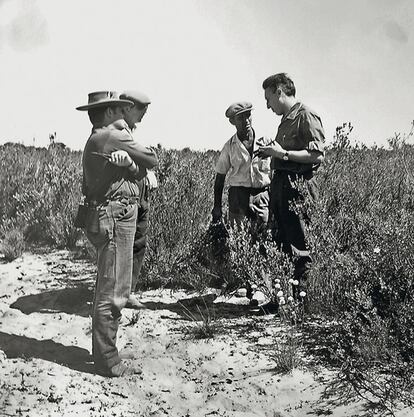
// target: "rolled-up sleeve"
[[223, 163], [312, 132]]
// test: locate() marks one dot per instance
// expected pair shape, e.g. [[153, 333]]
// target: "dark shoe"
[[253, 303], [134, 302], [119, 370], [249, 292], [269, 308]]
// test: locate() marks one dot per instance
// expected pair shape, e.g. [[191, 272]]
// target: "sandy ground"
[[46, 370]]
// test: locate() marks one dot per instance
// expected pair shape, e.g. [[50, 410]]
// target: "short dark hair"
[[281, 80], [96, 115]]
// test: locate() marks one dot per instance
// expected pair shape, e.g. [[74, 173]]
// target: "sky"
[[351, 61]]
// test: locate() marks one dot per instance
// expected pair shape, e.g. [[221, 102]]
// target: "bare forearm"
[[305, 157], [218, 189]]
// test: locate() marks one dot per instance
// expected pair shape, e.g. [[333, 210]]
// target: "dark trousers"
[[249, 203], [140, 241], [141, 231], [113, 241], [252, 204], [289, 225]]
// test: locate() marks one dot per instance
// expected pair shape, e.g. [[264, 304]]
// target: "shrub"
[[41, 187], [180, 209], [206, 326], [286, 353], [12, 245], [361, 240], [360, 237]]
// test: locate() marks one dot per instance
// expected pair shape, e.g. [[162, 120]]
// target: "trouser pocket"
[[123, 212]]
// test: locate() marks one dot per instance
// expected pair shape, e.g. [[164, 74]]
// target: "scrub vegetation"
[[360, 289]]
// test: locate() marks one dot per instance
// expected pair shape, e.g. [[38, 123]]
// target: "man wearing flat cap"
[[112, 163], [248, 176], [133, 116]]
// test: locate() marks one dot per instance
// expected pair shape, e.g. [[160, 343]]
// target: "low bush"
[[12, 245], [360, 236], [40, 188], [361, 239]]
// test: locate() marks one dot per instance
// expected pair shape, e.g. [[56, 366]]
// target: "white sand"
[[45, 340]]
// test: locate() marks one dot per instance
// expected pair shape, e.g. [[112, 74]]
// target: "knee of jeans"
[[102, 308], [108, 309], [118, 305]]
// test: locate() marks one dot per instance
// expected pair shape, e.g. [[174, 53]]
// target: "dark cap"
[[136, 96], [237, 108]]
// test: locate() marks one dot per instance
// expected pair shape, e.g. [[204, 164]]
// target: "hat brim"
[[240, 112], [102, 103], [243, 111]]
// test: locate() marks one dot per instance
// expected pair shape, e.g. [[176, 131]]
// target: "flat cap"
[[135, 96], [237, 108]]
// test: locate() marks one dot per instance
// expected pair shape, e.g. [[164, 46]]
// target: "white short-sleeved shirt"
[[241, 170]]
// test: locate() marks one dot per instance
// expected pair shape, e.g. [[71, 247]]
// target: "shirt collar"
[[293, 112], [235, 137]]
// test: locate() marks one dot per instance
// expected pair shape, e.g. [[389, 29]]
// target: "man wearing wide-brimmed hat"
[[248, 176], [112, 162]]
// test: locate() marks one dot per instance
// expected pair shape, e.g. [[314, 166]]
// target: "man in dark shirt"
[[296, 155], [112, 162]]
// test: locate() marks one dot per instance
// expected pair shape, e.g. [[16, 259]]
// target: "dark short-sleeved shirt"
[[301, 128], [103, 180]]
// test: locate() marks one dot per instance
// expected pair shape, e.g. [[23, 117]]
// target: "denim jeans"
[[113, 241]]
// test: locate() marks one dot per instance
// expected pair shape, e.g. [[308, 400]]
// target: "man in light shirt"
[[248, 175]]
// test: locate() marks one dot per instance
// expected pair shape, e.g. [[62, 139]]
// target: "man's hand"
[[275, 151], [152, 180], [120, 159], [216, 214]]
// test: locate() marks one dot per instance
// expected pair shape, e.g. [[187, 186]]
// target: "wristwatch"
[[286, 156]]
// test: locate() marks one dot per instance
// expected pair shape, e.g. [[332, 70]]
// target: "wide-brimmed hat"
[[104, 98], [237, 108], [136, 96]]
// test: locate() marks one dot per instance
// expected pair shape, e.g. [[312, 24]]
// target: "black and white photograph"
[[207, 208]]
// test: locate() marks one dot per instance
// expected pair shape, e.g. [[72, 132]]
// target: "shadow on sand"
[[73, 357], [75, 300], [78, 300], [202, 306]]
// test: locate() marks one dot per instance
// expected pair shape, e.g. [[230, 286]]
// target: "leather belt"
[[121, 199]]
